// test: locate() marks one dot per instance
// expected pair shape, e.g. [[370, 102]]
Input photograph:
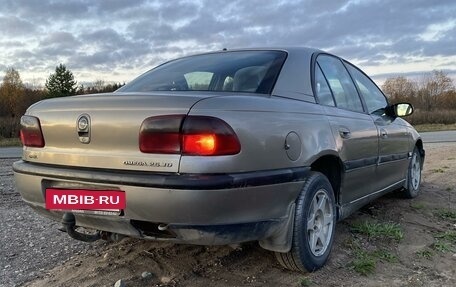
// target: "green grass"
[[305, 282], [364, 264], [379, 230], [449, 236], [4, 142], [434, 127], [441, 246], [446, 214], [445, 241], [438, 170], [385, 255], [424, 253]]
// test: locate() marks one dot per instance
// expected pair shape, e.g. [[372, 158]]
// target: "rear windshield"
[[240, 71]]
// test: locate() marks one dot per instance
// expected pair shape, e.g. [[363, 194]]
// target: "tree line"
[[15, 97], [433, 95]]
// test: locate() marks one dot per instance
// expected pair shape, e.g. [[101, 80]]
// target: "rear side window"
[[237, 71], [322, 89], [374, 98], [340, 82]]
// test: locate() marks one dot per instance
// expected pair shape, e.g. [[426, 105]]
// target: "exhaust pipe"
[[163, 227], [69, 223]]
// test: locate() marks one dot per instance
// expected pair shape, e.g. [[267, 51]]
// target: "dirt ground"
[[425, 256]]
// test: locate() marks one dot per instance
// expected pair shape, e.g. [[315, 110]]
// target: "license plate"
[[83, 199]]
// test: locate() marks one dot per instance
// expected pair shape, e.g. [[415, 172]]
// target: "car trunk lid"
[[111, 140]]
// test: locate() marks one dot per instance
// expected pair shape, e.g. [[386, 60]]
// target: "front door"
[[393, 138]]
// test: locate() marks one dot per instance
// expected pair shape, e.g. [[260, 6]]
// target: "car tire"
[[314, 226], [413, 175]]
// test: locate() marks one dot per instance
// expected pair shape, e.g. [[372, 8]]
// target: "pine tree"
[[61, 83]]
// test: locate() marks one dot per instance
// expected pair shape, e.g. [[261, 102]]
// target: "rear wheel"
[[413, 175], [313, 232]]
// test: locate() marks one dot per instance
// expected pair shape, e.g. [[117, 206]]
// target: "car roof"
[[290, 49]]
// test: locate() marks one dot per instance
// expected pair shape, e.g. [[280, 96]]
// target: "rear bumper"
[[200, 209], [163, 180]]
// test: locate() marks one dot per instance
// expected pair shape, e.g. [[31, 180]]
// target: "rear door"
[[354, 130], [393, 135]]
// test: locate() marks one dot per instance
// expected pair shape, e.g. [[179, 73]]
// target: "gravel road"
[[28, 242]]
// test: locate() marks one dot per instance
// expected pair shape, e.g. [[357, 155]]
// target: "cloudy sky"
[[115, 40]]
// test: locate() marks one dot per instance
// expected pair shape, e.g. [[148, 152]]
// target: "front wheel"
[[413, 175], [314, 225]]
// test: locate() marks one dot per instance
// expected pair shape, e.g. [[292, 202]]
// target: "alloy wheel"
[[320, 223], [415, 174]]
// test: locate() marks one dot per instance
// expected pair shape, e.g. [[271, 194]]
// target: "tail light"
[[31, 134], [208, 136], [161, 134], [188, 135]]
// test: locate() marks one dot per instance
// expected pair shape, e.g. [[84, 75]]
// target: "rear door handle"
[[383, 133], [344, 132]]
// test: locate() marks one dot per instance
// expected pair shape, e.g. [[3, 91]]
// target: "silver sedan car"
[[267, 145]]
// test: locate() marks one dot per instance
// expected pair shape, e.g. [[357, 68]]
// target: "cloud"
[[45, 11], [123, 38], [13, 26], [60, 39], [57, 46], [435, 32]]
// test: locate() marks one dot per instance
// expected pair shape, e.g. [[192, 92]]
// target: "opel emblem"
[[83, 128], [83, 123]]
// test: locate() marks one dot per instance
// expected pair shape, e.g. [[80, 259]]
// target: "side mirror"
[[399, 110]]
